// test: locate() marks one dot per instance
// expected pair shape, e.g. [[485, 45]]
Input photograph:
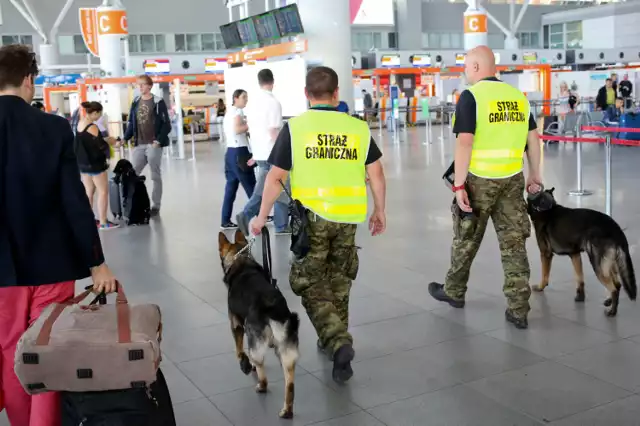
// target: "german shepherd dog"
[[565, 231], [259, 310]]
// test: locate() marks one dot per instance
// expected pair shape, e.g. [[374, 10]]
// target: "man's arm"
[[465, 129], [275, 121], [534, 153], [165, 130], [272, 190], [76, 205], [128, 134], [378, 185]]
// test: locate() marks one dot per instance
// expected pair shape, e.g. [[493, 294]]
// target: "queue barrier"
[[608, 141]]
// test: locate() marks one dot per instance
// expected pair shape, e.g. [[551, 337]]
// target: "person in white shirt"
[[238, 165], [265, 121]]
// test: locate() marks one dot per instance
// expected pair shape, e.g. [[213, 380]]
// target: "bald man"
[[493, 125]]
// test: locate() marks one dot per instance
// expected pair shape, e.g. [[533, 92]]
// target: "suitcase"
[[130, 407], [629, 120], [115, 198]]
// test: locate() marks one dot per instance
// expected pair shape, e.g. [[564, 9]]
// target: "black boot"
[[437, 292], [520, 322], [342, 358]]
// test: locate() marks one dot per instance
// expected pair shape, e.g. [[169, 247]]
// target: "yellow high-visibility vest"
[[329, 151], [502, 125]]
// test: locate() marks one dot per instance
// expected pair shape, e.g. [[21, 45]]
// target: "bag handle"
[[123, 315], [266, 257]]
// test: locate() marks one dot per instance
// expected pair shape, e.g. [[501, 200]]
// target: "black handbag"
[[242, 160]]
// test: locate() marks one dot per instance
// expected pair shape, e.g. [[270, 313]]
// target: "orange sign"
[[272, 51], [88, 24], [475, 24], [112, 22]]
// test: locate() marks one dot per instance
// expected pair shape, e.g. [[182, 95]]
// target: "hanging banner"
[[89, 28], [112, 22]]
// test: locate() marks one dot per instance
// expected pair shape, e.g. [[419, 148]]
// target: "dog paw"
[[286, 414], [608, 302], [245, 364], [611, 312], [580, 297], [261, 388]]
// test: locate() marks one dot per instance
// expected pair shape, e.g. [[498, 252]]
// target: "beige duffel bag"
[[82, 348]]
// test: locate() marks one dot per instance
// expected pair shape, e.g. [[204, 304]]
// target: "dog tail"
[[293, 324], [626, 272]]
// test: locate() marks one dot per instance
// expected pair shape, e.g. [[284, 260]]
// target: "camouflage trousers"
[[502, 200], [323, 279]]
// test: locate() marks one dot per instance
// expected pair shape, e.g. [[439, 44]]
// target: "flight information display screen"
[[288, 19], [266, 27], [230, 36], [247, 31]]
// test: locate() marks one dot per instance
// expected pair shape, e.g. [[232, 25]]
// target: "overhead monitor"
[[247, 31], [460, 58], [266, 27], [230, 36], [421, 60], [213, 65], [390, 61], [371, 12], [530, 57], [288, 20], [157, 66]]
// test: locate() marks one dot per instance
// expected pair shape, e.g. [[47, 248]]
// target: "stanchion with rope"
[[580, 191], [607, 173], [193, 142]]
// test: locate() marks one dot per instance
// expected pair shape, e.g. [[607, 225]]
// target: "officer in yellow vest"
[[327, 154], [493, 125]]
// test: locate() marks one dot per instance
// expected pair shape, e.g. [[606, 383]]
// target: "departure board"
[[266, 27], [247, 31], [230, 36], [288, 19]]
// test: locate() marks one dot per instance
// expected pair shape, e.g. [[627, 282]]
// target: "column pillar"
[[49, 57], [327, 27], [511, 43], [409, 24], [112, 28], [475, 27]]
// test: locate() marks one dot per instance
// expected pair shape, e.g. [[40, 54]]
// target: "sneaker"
[[155, 211], [107, 226], [342, 358], [437, 292], [228, 225], [520, 322], [269, 219], [285, 231], [243, 223]]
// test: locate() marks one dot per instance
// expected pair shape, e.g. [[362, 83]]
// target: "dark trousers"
[[235, 177]]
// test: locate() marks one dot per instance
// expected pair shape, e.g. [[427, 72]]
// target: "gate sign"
[[112, 22], [89, 28]]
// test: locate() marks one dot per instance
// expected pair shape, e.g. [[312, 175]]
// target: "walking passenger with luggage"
[[327, 154], [93, 152], [149, 127], [493, 124], [48, 234]]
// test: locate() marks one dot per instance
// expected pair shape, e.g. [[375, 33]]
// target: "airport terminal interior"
[[418, 362]]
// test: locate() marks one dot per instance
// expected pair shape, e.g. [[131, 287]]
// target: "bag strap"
[[123, 316], [267, 263]]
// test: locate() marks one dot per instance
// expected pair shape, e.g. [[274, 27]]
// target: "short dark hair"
[[236, 94], [322, 82], [91, 107], [148, 80], [265, 77], [608, 80], [619, 99], [17, 61], [38, 104]]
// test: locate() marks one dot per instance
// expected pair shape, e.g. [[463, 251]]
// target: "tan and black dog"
[[258, 309], [569, 232]]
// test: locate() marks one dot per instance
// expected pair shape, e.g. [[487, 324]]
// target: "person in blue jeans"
[[237, 160]]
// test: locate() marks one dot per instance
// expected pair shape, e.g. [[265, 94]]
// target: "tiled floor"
[[418, 362]]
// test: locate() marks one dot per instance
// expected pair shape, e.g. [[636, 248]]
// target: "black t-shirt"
[[466, 113], [282, 156]]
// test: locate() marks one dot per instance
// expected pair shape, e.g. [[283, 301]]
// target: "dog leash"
[[267, 263]]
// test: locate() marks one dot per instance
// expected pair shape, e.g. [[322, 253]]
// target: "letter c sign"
[[112, 22], [475, 24]]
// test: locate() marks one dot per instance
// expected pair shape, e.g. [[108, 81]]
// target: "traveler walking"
[[149, 127], [238, 163], [48, 234], [328, 154], [493, 124]]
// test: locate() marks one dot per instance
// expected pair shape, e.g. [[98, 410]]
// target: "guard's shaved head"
[[480, 63]]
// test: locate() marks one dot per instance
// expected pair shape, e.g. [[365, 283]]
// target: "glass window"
[[26, 40], [556, 41], [193, 43], [208, 43], [524, 39], [134, 44], [219, 41], [147, 43], [575, 26], [181, 43], [434, 41], [377, 40], [78, 45], [425, 40], [535, 40], [456, 41], [445, 41], [574, 34], [545, 37], [556, 29], [161, 43], [9, 39], [392, 39], [65, 45]]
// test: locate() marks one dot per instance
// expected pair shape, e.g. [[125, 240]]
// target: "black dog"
[[564, 231], [257, 308], [135, 204]]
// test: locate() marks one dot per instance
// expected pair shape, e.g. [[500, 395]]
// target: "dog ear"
[[551, 190], [240, 239], [223, 241]]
